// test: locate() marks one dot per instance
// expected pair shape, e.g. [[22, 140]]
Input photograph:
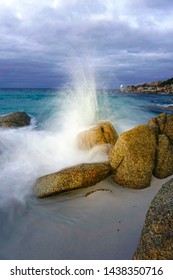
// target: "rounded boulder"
[[156, 241], [75, 177], [133, 157], [16, 119], [100, 134]]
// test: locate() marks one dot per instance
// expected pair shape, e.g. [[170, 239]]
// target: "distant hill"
[[166, 83], [157, 83], [153, 87]]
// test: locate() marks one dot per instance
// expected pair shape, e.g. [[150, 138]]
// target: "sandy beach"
[[101, 225]]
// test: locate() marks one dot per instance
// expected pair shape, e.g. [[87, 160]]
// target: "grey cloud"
[[122, 41], [29, 74], [159, 4]]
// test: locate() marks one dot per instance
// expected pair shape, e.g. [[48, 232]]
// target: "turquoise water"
[[65, 226], [129, 109]]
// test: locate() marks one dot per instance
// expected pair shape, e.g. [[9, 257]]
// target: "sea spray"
[[77, 102], [27, 153]]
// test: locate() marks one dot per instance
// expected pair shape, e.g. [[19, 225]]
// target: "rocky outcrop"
[[168, 129], [100, 134], [133, 157], [164, 158], [75, 177], [153, 87], [158, 123], [163, 127], [156, 241], [16, 119]]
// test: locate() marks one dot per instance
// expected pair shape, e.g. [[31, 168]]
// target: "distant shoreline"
[[147, 92], [158, 87]]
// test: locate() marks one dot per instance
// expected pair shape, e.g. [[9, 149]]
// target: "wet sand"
[[101, 225]]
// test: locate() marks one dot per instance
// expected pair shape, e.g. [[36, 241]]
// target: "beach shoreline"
[[103, 225]]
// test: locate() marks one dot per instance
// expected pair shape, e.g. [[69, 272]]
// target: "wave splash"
[[27, 153]]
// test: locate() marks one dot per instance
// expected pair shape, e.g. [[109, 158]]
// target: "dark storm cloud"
[[26, 74], [124, 41]]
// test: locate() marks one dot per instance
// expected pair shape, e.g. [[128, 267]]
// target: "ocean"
[[70, 225]]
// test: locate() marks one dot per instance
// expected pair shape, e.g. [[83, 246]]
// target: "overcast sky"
[[123, 41]]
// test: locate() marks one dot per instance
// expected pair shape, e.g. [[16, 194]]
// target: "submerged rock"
[[133, 157], [163, 127], [75, 177], [16, 119], [100, 134], [156, 241]]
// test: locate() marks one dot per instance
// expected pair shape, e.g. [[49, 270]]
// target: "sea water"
[[71, 225]]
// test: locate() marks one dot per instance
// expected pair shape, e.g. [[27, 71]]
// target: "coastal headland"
[[160, 87]]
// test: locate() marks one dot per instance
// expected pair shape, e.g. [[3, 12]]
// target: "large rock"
[[133, 157], [168, 130], [164, 158], [158, 123], [163, 124], [78, 176], [156, 241], [163, 127], [100, 134], [16, 119]]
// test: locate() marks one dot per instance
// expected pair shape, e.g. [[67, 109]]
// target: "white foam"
[[27, 153]]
